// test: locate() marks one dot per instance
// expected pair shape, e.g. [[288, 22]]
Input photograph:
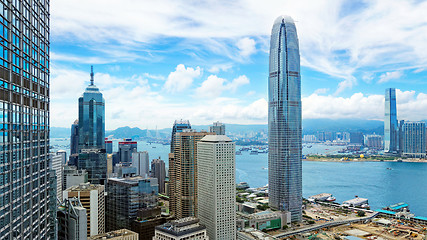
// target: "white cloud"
[[155, 77], [181, 78], [213, 86], [246, 46], [220, 67], [385, 77], [368, 77], [321, 91]]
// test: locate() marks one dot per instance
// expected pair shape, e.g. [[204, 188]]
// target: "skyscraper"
[[24, 119], [74, 139], [158, 171], [183, 173], [178, 126], [284, 119], [218, 128], [92, 155], [414, 139], [91, 117], [391, 129], [141, 162], [126, 148], [216, 163], [92, 198]]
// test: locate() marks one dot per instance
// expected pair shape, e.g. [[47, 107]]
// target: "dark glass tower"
[[24, 119], [91, 117], [284, 119], [390, 122], [74, 140], [92, 155], [178, 126]]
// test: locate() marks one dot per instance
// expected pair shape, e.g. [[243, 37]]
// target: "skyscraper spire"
[[91, 76]]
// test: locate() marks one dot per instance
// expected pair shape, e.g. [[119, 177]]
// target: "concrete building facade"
[[184, 228], [216, 163], [92, 199]]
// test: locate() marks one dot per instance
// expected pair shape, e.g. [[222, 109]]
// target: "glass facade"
[[178, 126], [284, 119], [91, 118], [24, 119], [390, 122]]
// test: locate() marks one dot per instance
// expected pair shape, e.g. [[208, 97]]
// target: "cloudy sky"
[[156, 61]]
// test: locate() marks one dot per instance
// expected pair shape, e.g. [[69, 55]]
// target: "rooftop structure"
[[122, 234], [356, 202], [184, 228]]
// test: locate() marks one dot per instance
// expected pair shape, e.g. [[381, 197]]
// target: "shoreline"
[[326, 159]]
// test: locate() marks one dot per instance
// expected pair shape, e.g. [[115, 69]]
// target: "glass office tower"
[[24, 119], [178, 126], [284, 119], [91, 118], [390, 122]]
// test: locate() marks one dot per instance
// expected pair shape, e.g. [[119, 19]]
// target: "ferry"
[[331, 199]]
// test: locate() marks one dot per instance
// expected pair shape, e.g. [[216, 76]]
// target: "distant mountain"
[[310, 126]]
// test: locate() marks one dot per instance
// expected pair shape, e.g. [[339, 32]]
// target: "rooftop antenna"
[[91, 75]]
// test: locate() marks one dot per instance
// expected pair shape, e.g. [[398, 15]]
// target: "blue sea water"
[[405, 182]]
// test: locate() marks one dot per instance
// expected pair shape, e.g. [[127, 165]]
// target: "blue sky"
[[156, 61]]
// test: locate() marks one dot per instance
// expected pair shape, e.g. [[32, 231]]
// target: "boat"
[[238, 153], [331, 199], [388, 168], [309, 146], [254, 152]]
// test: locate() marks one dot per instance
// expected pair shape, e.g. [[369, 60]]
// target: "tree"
[[361, 213]]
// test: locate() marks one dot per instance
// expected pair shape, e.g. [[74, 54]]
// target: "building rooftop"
[[181, 226], [356, 201], [216, 138], [84, 187], [114, 234], [129, 180], [252, 233], [398, 206]]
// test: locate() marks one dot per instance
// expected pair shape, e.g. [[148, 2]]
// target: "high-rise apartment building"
[[178, 126], [91, 117], [182, 229], [218, 128], [141, 162], [391, 130], [126, 148], [93, 200], [284, 119], [414, 139], [374, 141], [24, 119], [216, 165], [183, 173], [357, 138], [158, 171], [125, 196], [72, 220], [74, 139]]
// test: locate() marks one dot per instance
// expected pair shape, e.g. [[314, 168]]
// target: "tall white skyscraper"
[[414, 139], [217, 186], [284, 119], [141, 162]]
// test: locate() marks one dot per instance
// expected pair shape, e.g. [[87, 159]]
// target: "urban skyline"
[[205, 53]]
